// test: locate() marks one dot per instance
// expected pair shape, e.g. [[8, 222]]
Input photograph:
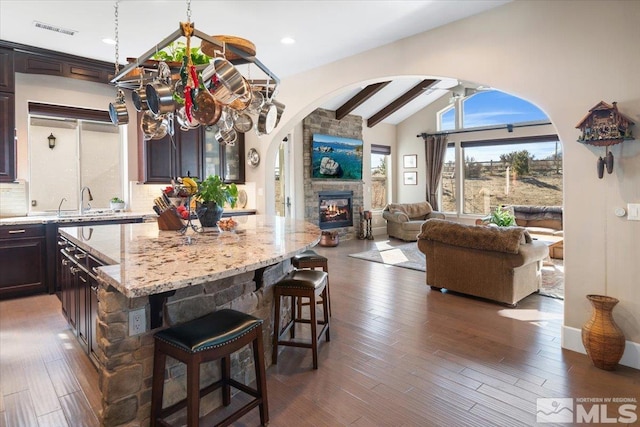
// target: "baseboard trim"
[[572, 340]]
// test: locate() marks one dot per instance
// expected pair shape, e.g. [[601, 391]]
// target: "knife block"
[[169, 220]]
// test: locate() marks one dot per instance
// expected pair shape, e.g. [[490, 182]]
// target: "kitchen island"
[[155, 279]]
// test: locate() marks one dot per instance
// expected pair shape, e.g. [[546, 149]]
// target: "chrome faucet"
[[60, 205], [82, 209]]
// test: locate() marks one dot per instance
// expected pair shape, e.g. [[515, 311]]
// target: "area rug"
[[409, 256]]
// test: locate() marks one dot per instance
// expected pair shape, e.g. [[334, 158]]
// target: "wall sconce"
[[52, 141]]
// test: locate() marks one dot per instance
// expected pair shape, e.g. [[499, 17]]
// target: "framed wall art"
[[335, 157], [411, 178], [410, 161]]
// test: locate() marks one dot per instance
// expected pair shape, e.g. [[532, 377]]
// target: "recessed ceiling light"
[[287, 40], [108, 41]]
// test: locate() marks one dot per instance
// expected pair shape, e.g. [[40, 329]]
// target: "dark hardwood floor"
[[400, 355]]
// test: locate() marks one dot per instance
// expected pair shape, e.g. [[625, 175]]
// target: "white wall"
[[548, 53], [564, 57]]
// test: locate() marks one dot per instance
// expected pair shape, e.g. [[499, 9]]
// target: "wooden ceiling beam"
[[400, 102], [358, 99]]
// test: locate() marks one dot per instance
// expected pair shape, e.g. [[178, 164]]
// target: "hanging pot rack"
[[141, 67]]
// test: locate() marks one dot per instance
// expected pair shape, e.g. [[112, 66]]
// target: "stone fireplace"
[[324, 122], [335, 209]]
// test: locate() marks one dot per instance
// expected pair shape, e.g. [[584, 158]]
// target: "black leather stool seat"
[[311, 259], [308, 256], [215, 336], [300, 284], [212, 330], [304, 279]]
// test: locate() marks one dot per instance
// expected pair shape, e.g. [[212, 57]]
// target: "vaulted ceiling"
[[321, 36]]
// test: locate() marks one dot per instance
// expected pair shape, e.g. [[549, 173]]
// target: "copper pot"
[[208, 111]]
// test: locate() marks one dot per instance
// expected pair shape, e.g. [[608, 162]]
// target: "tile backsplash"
[[13, 199], [141, 195]]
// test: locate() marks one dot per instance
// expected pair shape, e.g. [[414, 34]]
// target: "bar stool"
[[301, 284], [311, 259], [211, 337]]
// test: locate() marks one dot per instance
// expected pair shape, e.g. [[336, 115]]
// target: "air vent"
[[50, 27]]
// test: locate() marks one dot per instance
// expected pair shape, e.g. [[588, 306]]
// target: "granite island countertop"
[[146, 261], [46, 219]]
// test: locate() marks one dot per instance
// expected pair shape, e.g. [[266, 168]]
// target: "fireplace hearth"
[[335, 209]]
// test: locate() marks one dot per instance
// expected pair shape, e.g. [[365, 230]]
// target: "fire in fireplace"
[[335, 209]]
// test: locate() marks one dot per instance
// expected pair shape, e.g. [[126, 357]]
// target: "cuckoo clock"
[[602, 127]]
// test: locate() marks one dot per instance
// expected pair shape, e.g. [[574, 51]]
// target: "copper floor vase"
[[602, 338]]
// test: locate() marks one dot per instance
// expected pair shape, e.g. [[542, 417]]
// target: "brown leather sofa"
[[404, 220], [498, 263], [539, 219]]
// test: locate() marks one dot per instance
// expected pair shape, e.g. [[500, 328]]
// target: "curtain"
[[435, 148]]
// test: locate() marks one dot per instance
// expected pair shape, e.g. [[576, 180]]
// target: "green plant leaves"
[[176, 52], [212, 189]]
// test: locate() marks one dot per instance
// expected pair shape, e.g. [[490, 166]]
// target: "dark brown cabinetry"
[[79, 285], [191, 153], [7, 117], [18, 58], [39, 61], [22, 260], [7, 83], [169, 157]]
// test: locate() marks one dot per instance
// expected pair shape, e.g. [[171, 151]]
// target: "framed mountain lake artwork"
[[336, 158]]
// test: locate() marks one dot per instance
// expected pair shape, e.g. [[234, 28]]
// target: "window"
[[447, 119], [380, 158], [492, 107], [490, 172], [527, 171], [448, 181]]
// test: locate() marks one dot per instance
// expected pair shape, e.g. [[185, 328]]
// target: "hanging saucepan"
[[242, 102], [257, 99], [183, 120], [280, 107], [118, 110], [226, 137], [153, 127], [243, 123], [139, 98], [160, 98], [208, 110], [267, 118], [226, 119], [228, 83]]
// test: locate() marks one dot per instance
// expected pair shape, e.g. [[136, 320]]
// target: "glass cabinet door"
[[227, 161], [212, 153], [233, 162]]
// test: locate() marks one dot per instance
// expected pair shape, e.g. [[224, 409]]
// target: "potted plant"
[[502, 217], [211, 198], [116, 203]]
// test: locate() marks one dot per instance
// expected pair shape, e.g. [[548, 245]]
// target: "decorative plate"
[[253, 158], [242, 199]]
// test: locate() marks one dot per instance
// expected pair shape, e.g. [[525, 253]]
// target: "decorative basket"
[[602, 337]]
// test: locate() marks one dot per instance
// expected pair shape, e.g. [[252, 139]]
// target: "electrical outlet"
[[137, 322]]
